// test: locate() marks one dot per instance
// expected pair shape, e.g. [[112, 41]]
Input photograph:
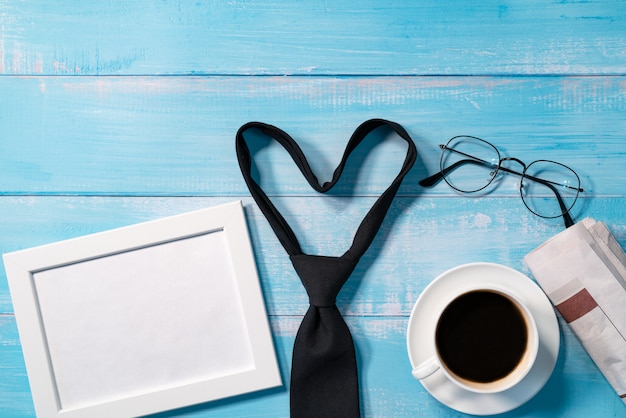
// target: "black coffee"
[[481, 336]]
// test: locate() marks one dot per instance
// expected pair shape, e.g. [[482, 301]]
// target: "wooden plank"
[[175, 135], [311, 37], [576, 389], [420, 239]]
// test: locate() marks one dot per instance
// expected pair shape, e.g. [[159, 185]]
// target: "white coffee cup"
[[489, 325]]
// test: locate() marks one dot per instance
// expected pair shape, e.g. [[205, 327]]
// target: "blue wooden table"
[[118, 112]]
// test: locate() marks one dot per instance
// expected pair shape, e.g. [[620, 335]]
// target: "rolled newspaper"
[[583, 272]]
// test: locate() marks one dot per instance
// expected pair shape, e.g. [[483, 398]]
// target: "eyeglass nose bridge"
[[500, 168], [517, 160]]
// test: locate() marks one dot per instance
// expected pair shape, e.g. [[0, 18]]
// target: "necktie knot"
[[322, 276]]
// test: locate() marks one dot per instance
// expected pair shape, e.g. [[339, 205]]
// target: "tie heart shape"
[[324, 378]]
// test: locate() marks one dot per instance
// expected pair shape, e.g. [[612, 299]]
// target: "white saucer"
[[422, 323]]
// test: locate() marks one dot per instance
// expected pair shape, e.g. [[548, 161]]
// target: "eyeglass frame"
[[437, 177]]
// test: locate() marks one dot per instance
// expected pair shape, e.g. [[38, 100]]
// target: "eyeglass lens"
[[542, 180], [469, 164]]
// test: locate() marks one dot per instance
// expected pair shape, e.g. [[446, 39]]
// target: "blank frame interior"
[[145, 318]]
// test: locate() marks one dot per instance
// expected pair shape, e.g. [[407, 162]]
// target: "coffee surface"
[[481, 336]]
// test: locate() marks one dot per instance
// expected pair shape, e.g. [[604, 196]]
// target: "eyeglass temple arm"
[[437, 177], [430, 181]]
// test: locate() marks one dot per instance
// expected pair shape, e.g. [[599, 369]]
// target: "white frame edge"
[[229, 218]]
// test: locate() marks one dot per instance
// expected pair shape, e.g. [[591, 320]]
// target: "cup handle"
[[426, 368]]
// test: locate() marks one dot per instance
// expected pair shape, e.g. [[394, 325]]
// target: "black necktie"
[[324, 381]]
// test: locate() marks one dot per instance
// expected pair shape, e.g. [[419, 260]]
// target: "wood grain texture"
[[311, 37], [175, 135], [118, 112]]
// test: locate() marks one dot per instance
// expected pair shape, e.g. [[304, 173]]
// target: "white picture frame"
[[143, 319]]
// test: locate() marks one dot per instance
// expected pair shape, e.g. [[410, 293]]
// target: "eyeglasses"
[[469, 164]]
